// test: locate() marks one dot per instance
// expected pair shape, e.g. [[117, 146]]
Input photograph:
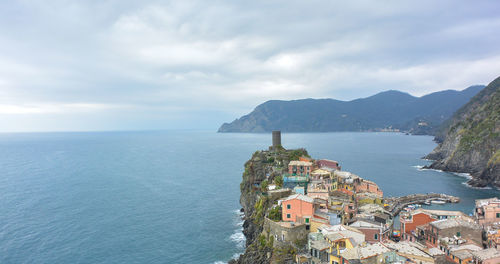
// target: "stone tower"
[[276, 139]]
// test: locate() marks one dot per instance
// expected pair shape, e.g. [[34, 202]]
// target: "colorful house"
[[411, 220], [486, 256], [411, 251], [300, 168], [461, 227], [487, 211], [324, 163], [297, 208], [341, 238], [374, 253], [374, 231], [324, 178], [460, 254], [368, 186]]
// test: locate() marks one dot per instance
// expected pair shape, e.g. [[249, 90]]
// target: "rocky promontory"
[[470, 141], [264, 168]]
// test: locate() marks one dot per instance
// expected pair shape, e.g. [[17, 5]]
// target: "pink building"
[[368, 186], [300, 168], [297, 208], [487, 211]]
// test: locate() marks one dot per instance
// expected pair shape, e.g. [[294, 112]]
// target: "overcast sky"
[[127, 65]]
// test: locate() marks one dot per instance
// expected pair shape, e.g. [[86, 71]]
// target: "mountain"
[[385, 110], [470, 139]]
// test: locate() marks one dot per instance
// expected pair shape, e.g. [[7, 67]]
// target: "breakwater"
[[396, 204]]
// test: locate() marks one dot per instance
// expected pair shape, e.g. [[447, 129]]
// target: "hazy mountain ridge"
[[389, 109], [470, 139]]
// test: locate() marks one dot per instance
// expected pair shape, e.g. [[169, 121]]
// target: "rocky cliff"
[[263, 168], [470, 139]]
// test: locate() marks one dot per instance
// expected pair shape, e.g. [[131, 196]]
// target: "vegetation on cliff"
[[470, 140], [264, 168]]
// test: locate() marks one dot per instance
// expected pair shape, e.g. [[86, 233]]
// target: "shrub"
[[278, 180], [275, 214], [263, 186]]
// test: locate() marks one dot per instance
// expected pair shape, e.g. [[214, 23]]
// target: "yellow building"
[[340, 238]]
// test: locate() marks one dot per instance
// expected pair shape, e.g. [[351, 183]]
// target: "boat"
[[438, 202]]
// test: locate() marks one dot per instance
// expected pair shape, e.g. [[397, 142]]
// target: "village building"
[[285, 233], [486, 256], [340, 238], [318, 248], [493, 238], [487, 211], [411, 220], [463, 228], [411, 251], [374, 253], [300, 168], [331, 164], [368, 186], [346, 181], [298, 175], [374, 231], [461, 254], [323, 179], [297, 208]]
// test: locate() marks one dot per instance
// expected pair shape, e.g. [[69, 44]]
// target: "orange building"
[[297, 208]]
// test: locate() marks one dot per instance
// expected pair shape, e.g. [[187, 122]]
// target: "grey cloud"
[[208, 62]]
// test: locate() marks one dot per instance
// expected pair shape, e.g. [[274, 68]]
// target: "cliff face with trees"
[[265, 167], [470, 140]]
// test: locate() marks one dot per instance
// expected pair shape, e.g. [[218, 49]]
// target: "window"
[[458, 234], [288, 206], [498, 215], [307, 220], [288, 216], [375, 236], [283, 237]]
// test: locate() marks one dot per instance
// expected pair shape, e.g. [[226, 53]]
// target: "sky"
[[142, 65]]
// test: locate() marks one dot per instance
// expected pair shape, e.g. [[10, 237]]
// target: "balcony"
[[292, 178]]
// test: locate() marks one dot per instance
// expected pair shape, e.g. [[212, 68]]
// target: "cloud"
[[132, 64]]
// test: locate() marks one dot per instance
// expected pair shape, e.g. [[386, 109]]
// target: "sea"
[[172, 196]]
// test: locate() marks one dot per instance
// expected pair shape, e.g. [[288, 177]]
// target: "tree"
[[278, 180]]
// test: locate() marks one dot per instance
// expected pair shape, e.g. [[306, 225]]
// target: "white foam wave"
[[464, 175], [474, 187], [424, 169], [459, 174], [239, 238]]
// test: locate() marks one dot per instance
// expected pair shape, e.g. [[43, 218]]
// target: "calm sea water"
[[170, 196]]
